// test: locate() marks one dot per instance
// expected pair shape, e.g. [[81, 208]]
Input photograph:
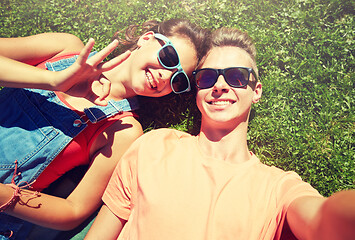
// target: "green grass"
[[305, 121]]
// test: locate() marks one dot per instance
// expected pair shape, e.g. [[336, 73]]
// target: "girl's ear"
[[258, 90], [144, 38]]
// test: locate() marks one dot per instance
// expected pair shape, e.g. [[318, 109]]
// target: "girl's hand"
[[77, 80]]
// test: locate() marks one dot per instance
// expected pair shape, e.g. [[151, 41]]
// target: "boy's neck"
[[224, 144]]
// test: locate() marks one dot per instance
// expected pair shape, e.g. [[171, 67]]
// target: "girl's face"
[[148, 76], [223, 104]]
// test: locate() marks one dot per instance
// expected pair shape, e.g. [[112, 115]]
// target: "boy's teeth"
[[221, 102]]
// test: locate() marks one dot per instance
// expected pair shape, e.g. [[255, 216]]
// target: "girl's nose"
[[165, 75]]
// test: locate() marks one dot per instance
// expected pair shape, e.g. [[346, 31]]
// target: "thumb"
[[105, 88]]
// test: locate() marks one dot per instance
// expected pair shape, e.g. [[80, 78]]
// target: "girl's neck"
[[120, 81], [120, 88]]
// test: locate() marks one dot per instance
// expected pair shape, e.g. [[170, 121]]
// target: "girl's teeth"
[[150, 80]]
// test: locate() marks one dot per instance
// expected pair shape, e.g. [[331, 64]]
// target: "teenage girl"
[[44, 134]]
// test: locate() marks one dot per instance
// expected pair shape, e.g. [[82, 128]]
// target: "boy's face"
[[223, 105]]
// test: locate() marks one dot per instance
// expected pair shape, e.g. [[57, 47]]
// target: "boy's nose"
[[221, 84]]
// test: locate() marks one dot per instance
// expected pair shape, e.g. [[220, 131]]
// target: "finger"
[[100, 102], [106, 88], [96, 99], [100, 56], [84, 54], [115, 61], [100, 98]]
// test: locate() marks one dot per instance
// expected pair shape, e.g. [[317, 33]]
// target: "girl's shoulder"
[[125, 127], [118, 135]]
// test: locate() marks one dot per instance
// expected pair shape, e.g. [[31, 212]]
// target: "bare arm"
[[37, 48], [76, 80], [106, 226], [323, 218], [67, 213], [18, 54]]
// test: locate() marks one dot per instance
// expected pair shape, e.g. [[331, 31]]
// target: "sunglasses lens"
[[168, 57], [237, 77], [180, 83], [206, 78]]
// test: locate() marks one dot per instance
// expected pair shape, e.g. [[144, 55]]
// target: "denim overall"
[[35, 126]]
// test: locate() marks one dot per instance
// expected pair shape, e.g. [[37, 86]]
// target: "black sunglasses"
[[169, 58], [237, 77]]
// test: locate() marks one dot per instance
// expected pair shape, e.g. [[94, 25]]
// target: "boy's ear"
[[258, 90], [144, 38]]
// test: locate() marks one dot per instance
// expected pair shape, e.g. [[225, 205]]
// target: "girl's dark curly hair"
[[174, 27]]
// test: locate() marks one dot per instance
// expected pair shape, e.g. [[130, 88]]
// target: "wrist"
[[51, 78], [12, 191], [8, 197], [56, 81]]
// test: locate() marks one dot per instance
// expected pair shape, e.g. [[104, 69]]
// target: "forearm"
[[16, 53], [106, 225], [37, 48], [336, 218], [43, 209], [19, 75]]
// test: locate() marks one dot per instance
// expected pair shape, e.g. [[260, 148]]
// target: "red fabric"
[[75, 154], [77, 151]]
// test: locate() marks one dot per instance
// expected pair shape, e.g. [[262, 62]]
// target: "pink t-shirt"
[[168, 189]]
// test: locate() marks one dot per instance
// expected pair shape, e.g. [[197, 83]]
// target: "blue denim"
[[15, 226], [35, 126], [64, 63]]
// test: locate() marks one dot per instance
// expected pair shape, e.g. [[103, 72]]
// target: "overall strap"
[[64, 63], [97, 113]]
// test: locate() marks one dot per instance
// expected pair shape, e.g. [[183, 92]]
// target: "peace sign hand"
[[78, 79]]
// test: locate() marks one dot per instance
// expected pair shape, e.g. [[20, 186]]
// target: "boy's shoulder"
[[163, 133], [162, 138]]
